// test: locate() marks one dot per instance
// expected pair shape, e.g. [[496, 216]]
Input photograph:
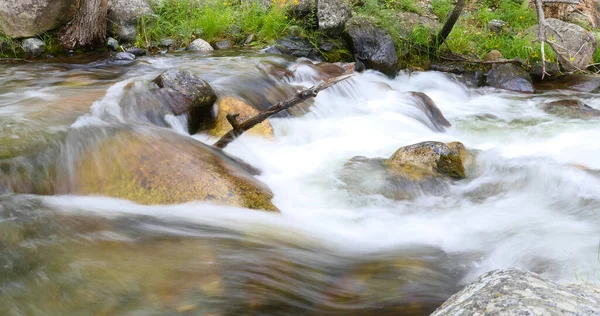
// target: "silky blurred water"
[[530, 200]]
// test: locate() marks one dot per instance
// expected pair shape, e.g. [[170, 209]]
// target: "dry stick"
[[239, 128], [541, 33]]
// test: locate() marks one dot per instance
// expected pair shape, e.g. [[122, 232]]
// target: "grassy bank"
[[234, 20]]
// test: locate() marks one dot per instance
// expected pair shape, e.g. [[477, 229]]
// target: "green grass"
[[9, 48], [186, 20]]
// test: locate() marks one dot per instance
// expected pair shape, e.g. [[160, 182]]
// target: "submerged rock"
[[509, 77], [33, 46], [123, 16], [423, 168], [198, 95], [372, 46], [571, 108], [427, 106], [124, 56], [332, 16], [231, 105], [582, 83], [137, 51], [514, 292], [200, 45], [154, 166], [24, 18]]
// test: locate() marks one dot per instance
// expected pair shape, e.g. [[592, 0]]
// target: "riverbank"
[[172, 25]]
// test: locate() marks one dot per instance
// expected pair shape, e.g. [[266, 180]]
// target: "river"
[[530, 200]]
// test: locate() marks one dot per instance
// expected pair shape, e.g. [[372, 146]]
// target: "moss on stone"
[[451, 166], [166, 169]]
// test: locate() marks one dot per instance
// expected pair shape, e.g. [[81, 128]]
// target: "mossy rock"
[[436, 157], [423, 168], [155, 166], [232, 105]]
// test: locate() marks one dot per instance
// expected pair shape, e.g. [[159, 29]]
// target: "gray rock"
[[332, 16], [112, 44], [124, 56], [297, 47], [372, 46], [410, 20], [199, 95], [25, 18], [200, 45], [33, 46], [516, 292], [552, 70], [123, 16], [137, 51], [509, 77], [571, 108], [497, 26], [573, 45], [223, 45], [303, 8], [166, 42]]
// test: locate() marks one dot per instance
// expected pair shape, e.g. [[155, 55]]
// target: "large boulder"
[[513, 292], [197, 94], [154, 166], [423, 168], [573, 45], [332, 16], [571, 108], [232, 105], [123, 16], [371, 45], [24, 18], [509, 77]]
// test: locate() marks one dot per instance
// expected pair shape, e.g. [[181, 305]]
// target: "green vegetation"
[[9, 48], [186, 20]]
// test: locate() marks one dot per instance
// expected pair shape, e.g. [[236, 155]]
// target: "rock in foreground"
[[516, 292], [152, 166]]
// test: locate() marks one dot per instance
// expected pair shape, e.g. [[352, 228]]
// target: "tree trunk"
[[447, 28], [88, 27]]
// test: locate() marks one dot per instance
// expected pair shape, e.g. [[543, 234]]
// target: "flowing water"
[[531, 198]]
